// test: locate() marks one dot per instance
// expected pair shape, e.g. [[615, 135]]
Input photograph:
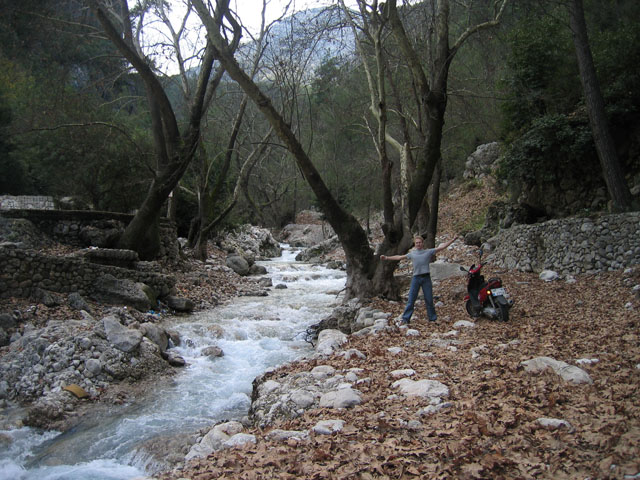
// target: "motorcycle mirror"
[[462, 268]]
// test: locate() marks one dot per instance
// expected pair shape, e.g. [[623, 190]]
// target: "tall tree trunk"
[[352, 236], [432, 226], [611, 168], [174, 150]]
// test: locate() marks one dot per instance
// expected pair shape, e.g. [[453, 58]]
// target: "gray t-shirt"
[[421, 260]]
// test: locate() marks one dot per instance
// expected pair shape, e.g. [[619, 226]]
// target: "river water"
[[259, 333]]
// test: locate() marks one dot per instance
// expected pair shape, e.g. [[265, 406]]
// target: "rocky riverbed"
[[455, 399]]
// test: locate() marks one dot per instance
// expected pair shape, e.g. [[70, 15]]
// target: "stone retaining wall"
[[85, 228], [10, 202], [24, 270], [571, 245]]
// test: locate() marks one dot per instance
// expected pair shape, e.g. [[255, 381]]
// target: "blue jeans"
[[417, 282]]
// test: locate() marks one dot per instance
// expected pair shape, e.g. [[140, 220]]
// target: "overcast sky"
[[249, 12]]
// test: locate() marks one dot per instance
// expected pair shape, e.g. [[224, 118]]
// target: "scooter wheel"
[[473, 313], [503, 312]]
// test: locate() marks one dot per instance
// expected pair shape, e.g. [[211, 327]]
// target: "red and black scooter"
[[485, 298]]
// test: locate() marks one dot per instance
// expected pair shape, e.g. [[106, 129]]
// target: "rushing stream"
[[259, 333]]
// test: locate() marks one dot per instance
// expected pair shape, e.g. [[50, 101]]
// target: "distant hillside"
[[302, 41]]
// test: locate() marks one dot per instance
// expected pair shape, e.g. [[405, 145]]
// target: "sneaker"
[[433, 320]]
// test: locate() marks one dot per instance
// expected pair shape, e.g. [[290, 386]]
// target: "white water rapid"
[[259, 333]]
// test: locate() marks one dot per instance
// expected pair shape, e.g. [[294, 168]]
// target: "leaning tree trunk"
[[611, 169], [174, 150], [432, 226], [360, 261]]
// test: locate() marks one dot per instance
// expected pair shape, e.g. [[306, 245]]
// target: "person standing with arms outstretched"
[[421, 260]]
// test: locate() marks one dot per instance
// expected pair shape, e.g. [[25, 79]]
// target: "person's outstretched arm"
[[393, 257], [442, 246]]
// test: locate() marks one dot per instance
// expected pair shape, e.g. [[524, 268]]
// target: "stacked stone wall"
[[85, 228], [25, 270], [10, 202], [571, 245]]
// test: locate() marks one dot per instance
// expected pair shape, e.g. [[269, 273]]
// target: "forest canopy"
[[75, 121]]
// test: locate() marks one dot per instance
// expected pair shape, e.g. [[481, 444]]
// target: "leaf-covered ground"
[[491, 429]]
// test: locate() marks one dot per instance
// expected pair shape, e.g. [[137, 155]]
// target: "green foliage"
[[545, 121], [12, 175], [471, 184], [551, 148], [342, 147], [63, 89], [474, 223], [542, 78], [617, 56]]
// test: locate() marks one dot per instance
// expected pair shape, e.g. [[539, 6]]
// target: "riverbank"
[[491, 425], [499, 420]]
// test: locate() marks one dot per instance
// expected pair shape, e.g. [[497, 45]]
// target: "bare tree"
[[175, 148], [421, 121], [605, 146], [366, 275]]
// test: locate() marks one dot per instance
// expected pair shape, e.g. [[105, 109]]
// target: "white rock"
[[329, 341], [285, 435], [239, 439], [587, 361], [323, 371], [555, 423], [353, 353], [407, 372], [327, 427], [549, 275], [412, 333], [214, 439], [302, 398], [268, 387], [421, 388], [394, 350], [568, 372], [414, 425], [351, 377], [479, 350], [464, 324], [342, 398], [93, 366], [432, 409]]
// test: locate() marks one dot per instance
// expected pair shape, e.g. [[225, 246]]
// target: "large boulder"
[[121, 337], [482, 161], [318, 253], [238, 264], [111, 290], [22, 232], [156, 334], [180, 304], [249, 241], [304, 235]]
